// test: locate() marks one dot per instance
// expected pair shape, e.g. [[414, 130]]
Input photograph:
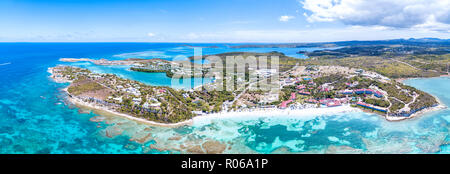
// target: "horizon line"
[[262, 42]]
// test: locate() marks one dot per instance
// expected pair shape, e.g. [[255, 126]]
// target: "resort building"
[[302, 92], [300, 87], [363, 91], [311, 101], [292, 96], [137, 101], [346, 92], [378, 94], [351, 85], [284, 104], [118, 99]]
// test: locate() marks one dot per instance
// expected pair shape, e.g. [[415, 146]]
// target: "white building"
[[119, 99], [137, 101]]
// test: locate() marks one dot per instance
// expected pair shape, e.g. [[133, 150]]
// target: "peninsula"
[[303, 84]]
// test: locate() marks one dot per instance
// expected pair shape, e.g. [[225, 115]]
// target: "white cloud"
[[418, 14], [151, 34], [431, 25], [286, 18]]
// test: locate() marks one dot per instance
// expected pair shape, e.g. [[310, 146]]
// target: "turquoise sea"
[[36, 118]]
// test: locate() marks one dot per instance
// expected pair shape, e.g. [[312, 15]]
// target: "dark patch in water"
[[184, 130], [7, 129], [18, 148], [44, 151], [318, 138]]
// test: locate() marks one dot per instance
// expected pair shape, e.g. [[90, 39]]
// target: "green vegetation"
[[168, 72], [384, 66], [424, 100], [377, 102], [396, 105], [436, 63], [381, 50], [170, 105], [210, 101], [173, 105], [393, 91]]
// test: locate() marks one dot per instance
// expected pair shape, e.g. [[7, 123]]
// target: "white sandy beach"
[[282, 112], [307, 112], [250, 113], [234, 114], [140, 120], [255, 113]]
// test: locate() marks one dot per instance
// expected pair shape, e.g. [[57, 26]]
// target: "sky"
[[225, 21]]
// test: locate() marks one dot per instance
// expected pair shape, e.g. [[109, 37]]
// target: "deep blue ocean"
[[36, 119]]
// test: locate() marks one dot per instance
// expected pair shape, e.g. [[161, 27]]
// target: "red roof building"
[[312, 101], [300, 87], [292, 96], [285, 103], [302, 92]]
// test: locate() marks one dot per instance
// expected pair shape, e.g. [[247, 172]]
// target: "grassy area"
[[396, 105], [437, 63], [384, 66], [83, 87]]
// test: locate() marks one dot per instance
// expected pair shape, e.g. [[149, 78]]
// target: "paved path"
[[406, 64]]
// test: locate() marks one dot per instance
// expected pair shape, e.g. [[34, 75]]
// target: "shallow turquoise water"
[[35, 118], [155, 79]]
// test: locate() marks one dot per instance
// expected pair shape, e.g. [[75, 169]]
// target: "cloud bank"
[[419, 14], [306, 35]]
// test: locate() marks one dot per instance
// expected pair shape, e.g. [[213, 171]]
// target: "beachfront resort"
[[332, 86], [300, 87]]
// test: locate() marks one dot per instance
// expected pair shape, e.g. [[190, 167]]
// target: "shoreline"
[[254, 113], [401, 80], [440, 105], [260, 112], [266, 112], [115, 113], [422, 112], [276, 112]]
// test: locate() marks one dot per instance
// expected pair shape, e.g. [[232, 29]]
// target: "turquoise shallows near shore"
[[35, 118]]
